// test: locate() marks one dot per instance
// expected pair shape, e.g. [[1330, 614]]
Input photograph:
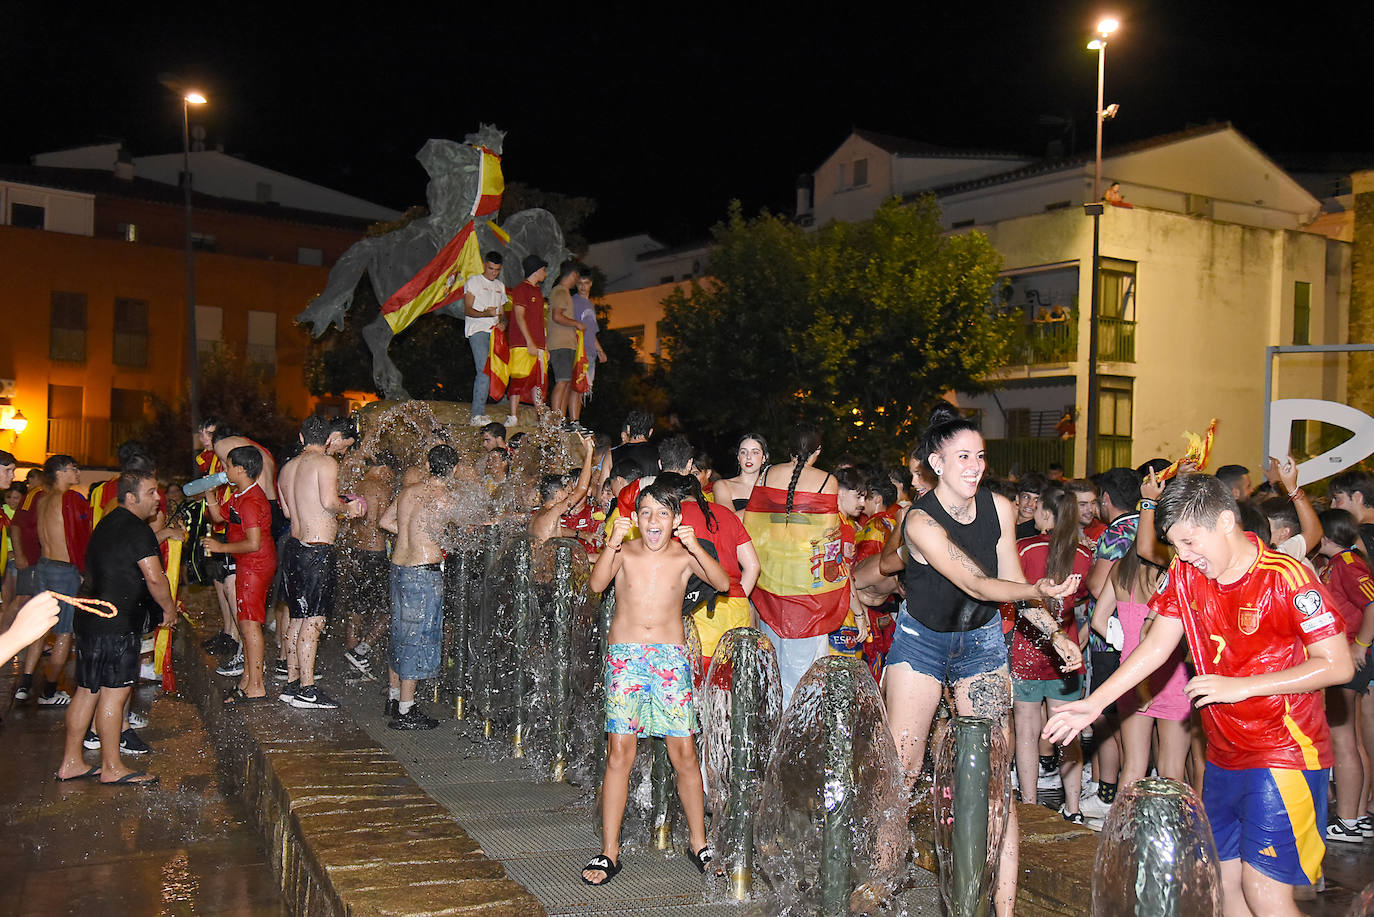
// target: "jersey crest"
[[1248, 619]]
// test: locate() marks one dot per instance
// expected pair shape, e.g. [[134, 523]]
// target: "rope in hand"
[[91, 605]]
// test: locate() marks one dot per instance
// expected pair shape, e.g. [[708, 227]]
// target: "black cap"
[[531, 265]]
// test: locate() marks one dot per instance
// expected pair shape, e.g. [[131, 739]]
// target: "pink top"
[[1161, 695]]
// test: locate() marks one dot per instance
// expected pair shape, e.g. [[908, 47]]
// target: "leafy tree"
[[570, 210], [857, 327], [231, 390]]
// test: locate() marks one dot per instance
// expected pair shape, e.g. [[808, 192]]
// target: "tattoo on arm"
[[1041, 619], [956, 554]]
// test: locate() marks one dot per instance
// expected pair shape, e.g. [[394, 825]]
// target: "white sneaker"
[[1347, 831], [1050, 781], [56, 699], [137, 720], [231, 668], [511, 420], [481, 420], [1089, 788], [1094, 808]]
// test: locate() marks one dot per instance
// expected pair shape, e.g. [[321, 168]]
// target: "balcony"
[[1115, 340], [1039, 343], [1028, 453]]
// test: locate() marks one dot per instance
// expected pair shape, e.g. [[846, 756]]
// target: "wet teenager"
[[962, 562]]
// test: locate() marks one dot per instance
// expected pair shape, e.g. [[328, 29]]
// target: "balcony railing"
[[1057, 342], [1029, 453], [1116, 340]]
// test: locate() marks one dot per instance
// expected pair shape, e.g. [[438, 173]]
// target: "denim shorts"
[[948, 657], [417, 620], [60, 576]]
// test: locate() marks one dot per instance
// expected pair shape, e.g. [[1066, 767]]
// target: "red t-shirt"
[[1347, 576], [1092, 530], [26, 525], [727, 538], [586, 529], [250, 510], [527, 296], [1259, 624], [1031, 655]]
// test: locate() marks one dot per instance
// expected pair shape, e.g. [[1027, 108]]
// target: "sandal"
[[131, 779], [93, 772], [236, 697], [703, 857], [601, 862]]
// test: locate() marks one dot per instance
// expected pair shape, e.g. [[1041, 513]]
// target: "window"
[[28, 216], [1058, 205], [128, 232], [209, 327], [67, 338], [860, 172], [1302, 313], [131, 332], [635, 333], [1117, 296], [202, 242], [962, 224], [311, 256], [66, 432], [1115, 401], [262, 339]]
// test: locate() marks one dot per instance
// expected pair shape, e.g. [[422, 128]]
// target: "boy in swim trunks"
[[648, 676], [1266, 639]]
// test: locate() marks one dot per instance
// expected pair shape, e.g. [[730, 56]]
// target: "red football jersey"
[[727, 538], [1031, 656], [251, 510], [1347, 576], [1259, 624]]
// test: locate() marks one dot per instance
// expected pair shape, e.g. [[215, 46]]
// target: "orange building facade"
[[96, 321]]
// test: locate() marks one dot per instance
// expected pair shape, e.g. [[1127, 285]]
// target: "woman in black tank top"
[[962, 563], [752, 453]]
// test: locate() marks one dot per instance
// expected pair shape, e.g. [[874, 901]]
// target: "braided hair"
[[805, 440], [687, 487]]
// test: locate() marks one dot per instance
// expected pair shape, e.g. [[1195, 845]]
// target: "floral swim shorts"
[[649, 690]]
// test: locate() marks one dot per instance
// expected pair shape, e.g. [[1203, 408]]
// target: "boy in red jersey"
[[1266, 639], [249, 516]]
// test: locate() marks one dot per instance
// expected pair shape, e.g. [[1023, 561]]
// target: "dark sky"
[[663, 118]]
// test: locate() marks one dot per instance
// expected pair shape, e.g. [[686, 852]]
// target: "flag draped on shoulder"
[[498, 363], [441, 281], [580, 383], [803, 586]]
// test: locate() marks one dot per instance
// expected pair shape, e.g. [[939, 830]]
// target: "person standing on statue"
[[483, 296], [528, 359], [309, 489], [1265, 638], [417, 586], [585, 314]]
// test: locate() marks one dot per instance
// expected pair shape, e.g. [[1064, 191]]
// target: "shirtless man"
[[557, 497], [417, 586], [363, 564], [309, 489], [64, 528], [649, 677]]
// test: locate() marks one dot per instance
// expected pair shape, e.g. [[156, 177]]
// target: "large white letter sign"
[[1353, 450]]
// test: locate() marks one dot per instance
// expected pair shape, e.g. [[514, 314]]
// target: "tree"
[[232, 391], [855, 327]]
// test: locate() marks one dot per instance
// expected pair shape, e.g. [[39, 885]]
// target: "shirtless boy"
[[557, 497], [64, 529], [309, 489], [364, 567], [250, 542], [417, 586], [648, 676]]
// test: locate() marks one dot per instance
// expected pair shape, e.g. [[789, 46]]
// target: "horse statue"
[[418, 268]]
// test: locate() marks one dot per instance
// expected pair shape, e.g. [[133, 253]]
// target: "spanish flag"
[[528, 371], [441, 281], [874, 534], [104, 498], [803, 588], [580, 383], [498, 363]]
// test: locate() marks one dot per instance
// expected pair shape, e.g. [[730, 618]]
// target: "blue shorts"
[[60, 576], [1273, 819], [948, 657], [417, 620]]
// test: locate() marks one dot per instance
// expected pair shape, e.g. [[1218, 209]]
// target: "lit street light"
[[1094, 209], [192, 355]]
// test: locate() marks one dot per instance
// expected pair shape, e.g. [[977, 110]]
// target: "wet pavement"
[[179, 848]]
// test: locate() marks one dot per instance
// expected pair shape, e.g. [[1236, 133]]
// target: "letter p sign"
[[1356, 448]]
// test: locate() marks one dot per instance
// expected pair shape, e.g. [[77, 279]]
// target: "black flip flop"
[[93, 772], [703, 857], [236, 697], [604, 864], [131, 779]]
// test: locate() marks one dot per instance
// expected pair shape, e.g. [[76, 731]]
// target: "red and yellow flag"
[[803, 588], [580, 382], [498, 363], [874, 533], [441, 281]]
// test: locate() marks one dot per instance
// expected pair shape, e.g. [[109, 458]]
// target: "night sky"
[[663, 118]]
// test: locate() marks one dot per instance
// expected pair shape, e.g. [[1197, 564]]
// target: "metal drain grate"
[[648, 881], [466, 800], [511, 836]]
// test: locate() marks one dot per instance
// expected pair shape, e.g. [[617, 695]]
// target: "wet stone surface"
[[82, 848]]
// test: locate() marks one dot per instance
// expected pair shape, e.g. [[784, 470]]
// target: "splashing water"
[[1155, 855], [832, 835]]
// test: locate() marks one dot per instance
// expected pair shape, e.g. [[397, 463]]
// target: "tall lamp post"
[[1094, 209], [188, 99]]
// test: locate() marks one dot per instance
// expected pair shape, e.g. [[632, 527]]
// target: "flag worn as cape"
[[803, 587], [580, 382], [498, 363], [874, 533], [442, 280]]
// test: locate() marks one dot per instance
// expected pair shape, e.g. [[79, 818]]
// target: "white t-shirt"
[[1296, 547], [488, 295]]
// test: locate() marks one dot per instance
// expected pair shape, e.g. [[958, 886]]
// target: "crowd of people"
[[1140, 621]]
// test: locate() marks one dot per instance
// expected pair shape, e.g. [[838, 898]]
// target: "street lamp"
[[1094, 209], [192, 355]]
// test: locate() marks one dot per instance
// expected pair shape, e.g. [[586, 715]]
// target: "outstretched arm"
[[930, 538], [608, 562]]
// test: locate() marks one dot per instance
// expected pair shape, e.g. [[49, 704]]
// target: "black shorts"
[[364, 582], [309, 580], [107, 661], [561, 362], [1105, 663], [219, 567]]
